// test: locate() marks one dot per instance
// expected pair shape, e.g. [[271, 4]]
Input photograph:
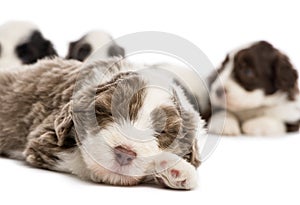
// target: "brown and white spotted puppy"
[[91, 42], [22, 42], [103, 122], [257, 91]]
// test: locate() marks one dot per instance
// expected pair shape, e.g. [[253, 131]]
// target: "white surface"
[[242, 170]]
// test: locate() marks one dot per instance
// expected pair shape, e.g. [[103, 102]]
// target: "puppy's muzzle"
[[123, 155]]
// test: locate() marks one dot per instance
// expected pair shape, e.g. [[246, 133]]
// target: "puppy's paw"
[[224, 123], [174, 172], [263, 126]]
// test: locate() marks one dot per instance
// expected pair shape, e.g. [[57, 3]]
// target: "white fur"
[[96, 158], [12, 34], [224, 123], [192, 81], [100, 42], [250, 108], [166, 162], [263, 126]]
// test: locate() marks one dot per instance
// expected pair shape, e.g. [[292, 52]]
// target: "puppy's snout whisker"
[[124, 156]]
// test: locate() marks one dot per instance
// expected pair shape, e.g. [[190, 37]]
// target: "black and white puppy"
[[22, 43], [259, 93], [89, 43]]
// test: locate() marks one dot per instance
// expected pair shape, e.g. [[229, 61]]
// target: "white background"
[[242, 170]]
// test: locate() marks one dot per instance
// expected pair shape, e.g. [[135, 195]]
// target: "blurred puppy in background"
[[22, 43], [257, 93], [90, 42]]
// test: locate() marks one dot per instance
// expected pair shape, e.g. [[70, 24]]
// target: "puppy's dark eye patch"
[[248, 72], [84, 51], [166, 122], [25, 53]]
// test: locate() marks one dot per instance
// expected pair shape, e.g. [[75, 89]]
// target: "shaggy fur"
[[102, 121], [257, 93]]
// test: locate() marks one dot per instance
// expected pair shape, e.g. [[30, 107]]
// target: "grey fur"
[[37, 113]]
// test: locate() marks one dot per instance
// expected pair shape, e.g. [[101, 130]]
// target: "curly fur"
[[57, 115]]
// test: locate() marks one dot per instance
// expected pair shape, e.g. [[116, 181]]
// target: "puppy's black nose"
[[123, 155], [220, 92]]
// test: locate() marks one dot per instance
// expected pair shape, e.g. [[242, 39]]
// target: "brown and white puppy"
[[22, 43], [91, 42], [257, 91], [103, 121]]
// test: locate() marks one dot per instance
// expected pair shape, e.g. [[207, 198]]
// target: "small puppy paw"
[[263, 126], [174, 172], [224, 123]]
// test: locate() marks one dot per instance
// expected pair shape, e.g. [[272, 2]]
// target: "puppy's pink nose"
[[123, 155]]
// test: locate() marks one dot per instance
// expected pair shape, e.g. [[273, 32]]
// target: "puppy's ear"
[[43, 46], [63, 125], [115, 50], [192, 125], [49, 49], [71, 50], [194, 156], [189, 126], [286, 76], [79, 51]]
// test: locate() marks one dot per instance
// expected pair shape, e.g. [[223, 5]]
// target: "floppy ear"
[[115, 50], [286, 76], [189, 126], [79, 51], [63, 125], [49, 49], [71, 50], [191, 121], [45, 47]]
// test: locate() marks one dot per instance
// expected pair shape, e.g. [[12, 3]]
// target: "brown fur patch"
[[261, 66]]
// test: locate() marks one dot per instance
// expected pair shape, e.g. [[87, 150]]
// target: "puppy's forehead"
[[135, 98], [97, 38]]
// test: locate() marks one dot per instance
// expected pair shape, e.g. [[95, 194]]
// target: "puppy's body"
[[139, 132], [258, 92]]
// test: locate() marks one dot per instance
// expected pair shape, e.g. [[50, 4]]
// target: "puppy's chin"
[[238, 99], [101, 174]]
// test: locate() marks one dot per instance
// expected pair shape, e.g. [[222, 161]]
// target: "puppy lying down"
[[257, 94], [102, 121]]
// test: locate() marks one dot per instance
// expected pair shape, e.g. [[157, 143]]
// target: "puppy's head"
[[254, 76], [89, 43], [123, 124], [22, 43]]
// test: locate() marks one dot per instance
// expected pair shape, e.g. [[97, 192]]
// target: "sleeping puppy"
[[22, 43], [259, 95], [108, 121], [89, 43]]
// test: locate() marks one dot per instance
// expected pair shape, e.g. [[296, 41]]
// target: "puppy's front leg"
[[224, 123], [43, 151], [174, 172], [264, 126]]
